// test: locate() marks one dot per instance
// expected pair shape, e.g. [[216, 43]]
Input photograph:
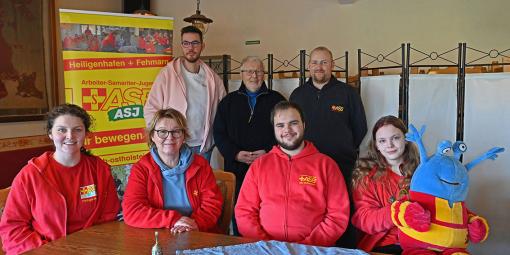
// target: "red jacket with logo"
[[372, 213], [301, 199], [143, 200], [36, 211]]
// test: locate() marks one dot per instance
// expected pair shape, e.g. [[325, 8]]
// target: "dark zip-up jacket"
[[334, 120], [237, 127]]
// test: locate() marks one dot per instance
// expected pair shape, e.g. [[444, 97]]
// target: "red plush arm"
[[410, 214], [478, 229]]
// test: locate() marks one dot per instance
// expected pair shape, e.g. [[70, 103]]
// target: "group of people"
[[298, 176], [85, 41], [119, 40], [153, 42]]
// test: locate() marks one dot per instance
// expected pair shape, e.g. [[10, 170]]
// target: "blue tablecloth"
[[271, 248]]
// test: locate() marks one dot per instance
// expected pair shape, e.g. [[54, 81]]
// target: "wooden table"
[[119, 238]]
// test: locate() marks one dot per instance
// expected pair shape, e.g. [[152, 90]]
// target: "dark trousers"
[[389, 249], [348, 239], [235, 230]]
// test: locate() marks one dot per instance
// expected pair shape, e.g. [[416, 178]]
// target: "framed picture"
[[27, 53]]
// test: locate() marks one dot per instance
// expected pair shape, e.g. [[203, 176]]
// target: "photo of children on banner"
[[87, 37]]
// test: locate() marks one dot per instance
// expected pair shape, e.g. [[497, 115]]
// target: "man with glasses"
[[336, 121], [242, 128], [188, 85], [293, 193]]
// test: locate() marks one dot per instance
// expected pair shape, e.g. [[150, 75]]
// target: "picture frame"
[[28, 52]]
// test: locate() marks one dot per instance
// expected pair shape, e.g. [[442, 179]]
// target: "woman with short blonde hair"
[[171, 187]]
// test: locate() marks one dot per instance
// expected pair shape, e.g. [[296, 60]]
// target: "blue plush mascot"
[[435, 219]]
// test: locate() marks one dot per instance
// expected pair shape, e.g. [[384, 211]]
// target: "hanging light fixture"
[[198, 20]]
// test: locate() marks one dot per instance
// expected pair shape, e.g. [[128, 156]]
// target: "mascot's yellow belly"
[[448, 228]]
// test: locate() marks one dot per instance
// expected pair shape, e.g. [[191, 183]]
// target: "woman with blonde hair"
[[171, 187], [380, 179]]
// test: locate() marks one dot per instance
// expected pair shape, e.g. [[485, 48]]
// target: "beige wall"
[[376, 26], [286, 26], [91, 5]]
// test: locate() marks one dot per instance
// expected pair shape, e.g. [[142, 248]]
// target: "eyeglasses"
[[251, 72], [163, 134], [187, 44]]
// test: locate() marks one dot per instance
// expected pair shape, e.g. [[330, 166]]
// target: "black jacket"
[[237, 128], [334, 120]]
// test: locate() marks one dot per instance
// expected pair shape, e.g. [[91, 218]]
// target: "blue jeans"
[[206, 154]]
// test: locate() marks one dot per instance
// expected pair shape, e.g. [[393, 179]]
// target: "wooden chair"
[[476, 69], [338, 74], [288, 75], [226, 182], [3, 198], [448, 70], [506, 60]]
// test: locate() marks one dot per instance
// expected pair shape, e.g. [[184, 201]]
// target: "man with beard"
[[242, 129], [335, 117], [336, 121], [188, 85], [293, 193]]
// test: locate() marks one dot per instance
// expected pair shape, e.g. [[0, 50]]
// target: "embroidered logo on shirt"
[[307, 180], [88, 192], [195, 192], [337, 108]]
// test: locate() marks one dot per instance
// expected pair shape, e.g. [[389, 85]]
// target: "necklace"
[[402, 194]]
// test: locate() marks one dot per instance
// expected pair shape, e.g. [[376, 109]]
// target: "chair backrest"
[[226, 182], [3, 199]]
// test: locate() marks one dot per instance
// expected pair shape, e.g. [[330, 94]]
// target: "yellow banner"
[[110, 61]]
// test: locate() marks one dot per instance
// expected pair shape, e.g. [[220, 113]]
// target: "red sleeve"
[[248, 207], [371, 215], [209, 210], [138, 209], [336, 219], [111, 203], [16, 230]]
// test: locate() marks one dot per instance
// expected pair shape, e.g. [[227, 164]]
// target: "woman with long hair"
[[380, 179]]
